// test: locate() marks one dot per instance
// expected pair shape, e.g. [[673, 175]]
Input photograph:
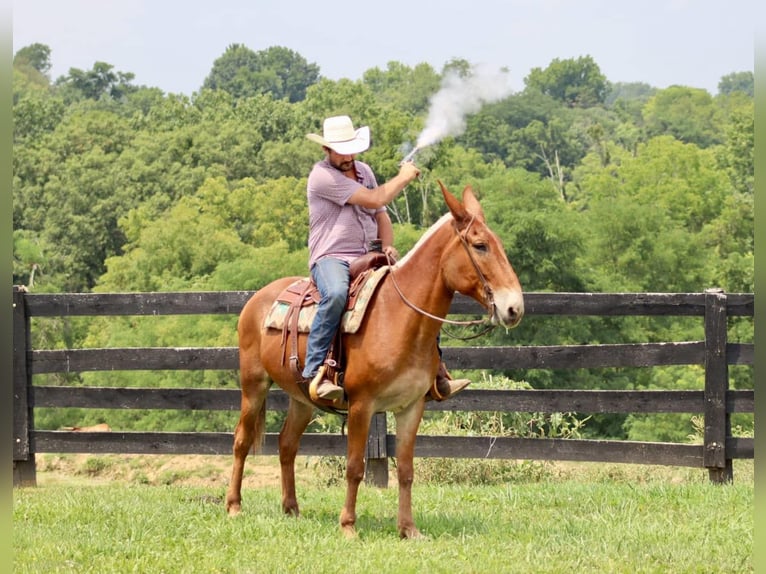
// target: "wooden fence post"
[[376, 469], [24, 473], [717, 420]]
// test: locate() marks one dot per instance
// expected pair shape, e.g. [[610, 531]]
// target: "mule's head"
[[475, 262]]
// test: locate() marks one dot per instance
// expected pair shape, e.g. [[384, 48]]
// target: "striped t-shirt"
[[337, 228]]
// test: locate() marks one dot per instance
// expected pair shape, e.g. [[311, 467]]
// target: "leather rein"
[[485, 284]]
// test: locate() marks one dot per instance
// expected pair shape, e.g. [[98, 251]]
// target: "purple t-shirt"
[[337, 228]]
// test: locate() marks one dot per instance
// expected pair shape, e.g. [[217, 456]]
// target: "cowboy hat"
[[341, 137]]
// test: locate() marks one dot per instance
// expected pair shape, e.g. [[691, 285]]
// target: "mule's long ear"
[[457, 209], [472, 204]]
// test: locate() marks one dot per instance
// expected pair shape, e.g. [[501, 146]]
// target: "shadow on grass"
[[371, 526]]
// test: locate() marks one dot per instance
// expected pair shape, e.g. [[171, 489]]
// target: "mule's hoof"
[[349, 532], [411, 533], [291, 511], [233, 509]]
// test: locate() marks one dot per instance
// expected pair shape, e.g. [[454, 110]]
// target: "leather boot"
[[445, 386], [323, 388]]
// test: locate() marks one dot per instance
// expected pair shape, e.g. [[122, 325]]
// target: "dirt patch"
[[189, 470]]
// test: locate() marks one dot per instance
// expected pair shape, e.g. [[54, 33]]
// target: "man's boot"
[[445, 386], [321, 387]]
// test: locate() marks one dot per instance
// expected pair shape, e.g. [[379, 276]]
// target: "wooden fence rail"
[[716, 401]]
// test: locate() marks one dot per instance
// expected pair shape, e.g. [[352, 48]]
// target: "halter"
[[485, 284]]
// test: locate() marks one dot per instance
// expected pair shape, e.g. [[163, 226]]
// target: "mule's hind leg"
[[249, 431], [298, 418]]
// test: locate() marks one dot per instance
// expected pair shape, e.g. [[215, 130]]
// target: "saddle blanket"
[[352, 317]]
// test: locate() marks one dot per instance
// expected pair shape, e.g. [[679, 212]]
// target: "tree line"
[[593, 186]]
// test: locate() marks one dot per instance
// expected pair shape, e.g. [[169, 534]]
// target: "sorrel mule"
[[391, 361]]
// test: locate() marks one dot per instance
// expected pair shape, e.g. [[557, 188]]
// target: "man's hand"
[[391, 252], [409, 171]]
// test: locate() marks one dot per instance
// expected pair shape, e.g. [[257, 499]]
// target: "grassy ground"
[[165, 514]]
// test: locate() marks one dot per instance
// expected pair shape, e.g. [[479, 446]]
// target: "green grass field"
[[97, 517]]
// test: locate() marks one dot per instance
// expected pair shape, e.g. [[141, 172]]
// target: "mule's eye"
[[481, 247]]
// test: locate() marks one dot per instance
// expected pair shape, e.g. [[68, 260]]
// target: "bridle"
[[488, 294]]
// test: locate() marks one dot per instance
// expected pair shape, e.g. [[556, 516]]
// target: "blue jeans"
[[332, 278]]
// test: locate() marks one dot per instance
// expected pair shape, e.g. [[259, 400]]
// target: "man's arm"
[[385, 194], [385, 228], [386, 234]]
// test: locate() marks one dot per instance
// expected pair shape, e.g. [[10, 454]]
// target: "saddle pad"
[[351, 320]]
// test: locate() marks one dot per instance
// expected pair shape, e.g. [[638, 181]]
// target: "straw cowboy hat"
[[341, 137]]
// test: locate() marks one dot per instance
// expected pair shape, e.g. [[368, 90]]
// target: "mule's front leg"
[[358, 428], [298, 418], [407, 423]]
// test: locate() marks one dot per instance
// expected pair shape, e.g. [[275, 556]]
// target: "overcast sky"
[[172, 44]]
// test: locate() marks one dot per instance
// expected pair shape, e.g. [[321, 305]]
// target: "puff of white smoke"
[[461, 95]]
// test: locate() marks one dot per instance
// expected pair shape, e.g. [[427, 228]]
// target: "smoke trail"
[[458, 97]]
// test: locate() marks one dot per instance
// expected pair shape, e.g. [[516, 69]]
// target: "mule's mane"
[[431, 230]]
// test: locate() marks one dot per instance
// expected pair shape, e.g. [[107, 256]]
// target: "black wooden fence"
[[716, 402]]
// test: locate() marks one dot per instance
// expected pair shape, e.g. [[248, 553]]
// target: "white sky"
[[172, 44]]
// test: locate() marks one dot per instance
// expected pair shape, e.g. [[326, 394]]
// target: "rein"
[[487, 291]]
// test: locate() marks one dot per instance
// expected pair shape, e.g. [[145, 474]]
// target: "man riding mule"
[[347, 213], [391, 360]]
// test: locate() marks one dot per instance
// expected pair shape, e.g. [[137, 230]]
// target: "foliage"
[[513, 424], [575, 82], [737, 156], [402, 87], [688, 114], [99, 82], [737, 82], [277, 70], [35, 56]]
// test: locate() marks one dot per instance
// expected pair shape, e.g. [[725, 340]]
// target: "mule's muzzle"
[[509, 308]]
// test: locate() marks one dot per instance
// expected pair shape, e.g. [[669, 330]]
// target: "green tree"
[[71, 192], [36, 56], [262, 213], [460, 66], [278, 71], [204, 237], [342, 97], [535, 131], [539, 231], [737, 155], [737, 82], [627, 100], [295, 73], [688, 114], [576, 82], [647, 215], [100, 81], [30, 260], [174, 251], [36, 110], [730, 236], [628, 92], [402, 87]]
